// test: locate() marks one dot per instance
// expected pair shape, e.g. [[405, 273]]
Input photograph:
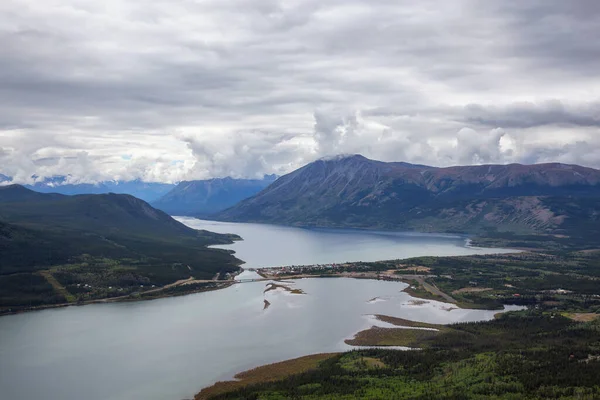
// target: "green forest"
[[519, 355]]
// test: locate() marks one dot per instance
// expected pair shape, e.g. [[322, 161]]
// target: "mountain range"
[[194, 198], [204, 197], [147, 191], [354, 191]]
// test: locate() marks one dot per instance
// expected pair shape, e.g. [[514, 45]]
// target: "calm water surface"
[[271, 245], [171, 348]]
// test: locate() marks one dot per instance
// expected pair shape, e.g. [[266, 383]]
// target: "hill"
[[18, 194], [354, 191], [104, 241], [116, 213], [204, 197]]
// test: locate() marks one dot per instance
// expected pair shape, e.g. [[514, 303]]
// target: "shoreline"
[[272, 372], [402, 335], [463, 235], [139, 296], [122, 299], [470, 242], [429, 292], [472, 239]]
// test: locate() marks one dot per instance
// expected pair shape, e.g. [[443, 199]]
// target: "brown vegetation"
[[411, 268], [406, 322], [274, 286], [403, 336], [267, 373], [582, 317]]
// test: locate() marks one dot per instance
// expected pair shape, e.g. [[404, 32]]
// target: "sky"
[[170, 90]]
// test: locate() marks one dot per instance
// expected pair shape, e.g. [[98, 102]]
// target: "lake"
[[169, 349], [271, 245]]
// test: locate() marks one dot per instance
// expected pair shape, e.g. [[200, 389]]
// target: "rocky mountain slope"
[[354, 191], [205, 197]]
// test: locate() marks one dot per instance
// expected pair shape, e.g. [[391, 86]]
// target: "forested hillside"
[[525, 355], [50, 241]]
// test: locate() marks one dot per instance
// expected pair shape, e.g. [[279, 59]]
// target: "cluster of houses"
[[298, 269], [87, 286]]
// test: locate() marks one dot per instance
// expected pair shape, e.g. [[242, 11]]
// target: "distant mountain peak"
[[344, 157], [359, 160], [203, 197]]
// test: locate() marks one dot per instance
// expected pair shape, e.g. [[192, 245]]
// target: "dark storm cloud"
[[555, 35], [527, 115]]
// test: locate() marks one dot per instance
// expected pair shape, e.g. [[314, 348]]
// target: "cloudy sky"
[[166, 90]]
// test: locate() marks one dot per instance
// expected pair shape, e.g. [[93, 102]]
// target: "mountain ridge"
[[354, 191], [108, 211]]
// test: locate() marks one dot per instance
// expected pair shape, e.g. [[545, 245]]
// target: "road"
[[434, 290]]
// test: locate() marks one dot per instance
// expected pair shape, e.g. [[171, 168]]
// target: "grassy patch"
[[407, 323], [417, 290], [582, 317], [60, 289], [358, 362]]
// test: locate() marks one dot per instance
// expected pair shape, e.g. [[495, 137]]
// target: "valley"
[[206, 197], [299, 200], [496, 265]]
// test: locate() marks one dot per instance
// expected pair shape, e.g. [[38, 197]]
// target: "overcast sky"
[[166, 90]]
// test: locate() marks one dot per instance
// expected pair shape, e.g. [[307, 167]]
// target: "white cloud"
[[181, 89]]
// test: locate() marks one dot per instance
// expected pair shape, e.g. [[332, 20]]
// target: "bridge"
[[252, 280]]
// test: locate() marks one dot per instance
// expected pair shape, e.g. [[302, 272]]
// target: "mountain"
[[354, 191], [204, 197], [111, 212], [147, 191], [101, 240]]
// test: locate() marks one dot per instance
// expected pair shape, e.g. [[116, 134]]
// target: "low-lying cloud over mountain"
[[180, 89]]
